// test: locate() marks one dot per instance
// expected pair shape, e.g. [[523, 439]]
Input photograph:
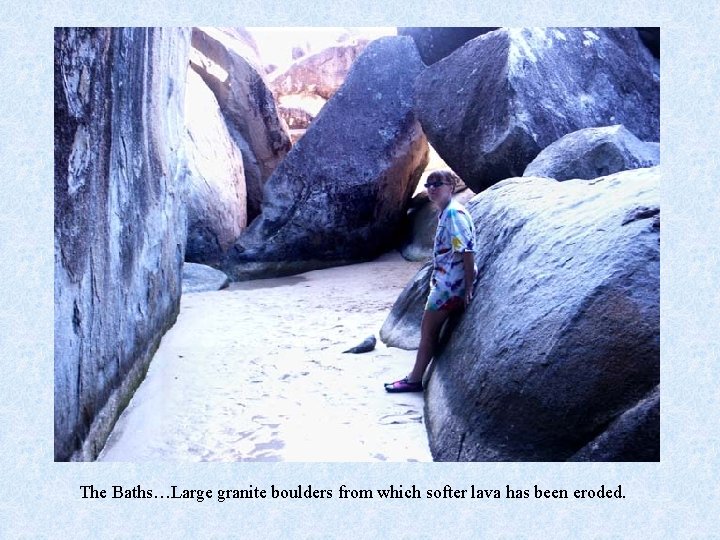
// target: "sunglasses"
[[436, 184]]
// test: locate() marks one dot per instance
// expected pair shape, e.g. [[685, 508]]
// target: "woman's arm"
[[469, 267]]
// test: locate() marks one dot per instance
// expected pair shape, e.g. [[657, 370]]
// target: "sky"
[[276, 43]]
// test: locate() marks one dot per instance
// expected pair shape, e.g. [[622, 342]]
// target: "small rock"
[[366, 346], [199, 278]]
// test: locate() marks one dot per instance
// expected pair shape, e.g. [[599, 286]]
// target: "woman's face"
[[439, 191]]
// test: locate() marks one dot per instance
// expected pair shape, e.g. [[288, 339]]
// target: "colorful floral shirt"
[[455, 235]]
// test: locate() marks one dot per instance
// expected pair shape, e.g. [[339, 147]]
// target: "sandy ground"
[[256, 373]]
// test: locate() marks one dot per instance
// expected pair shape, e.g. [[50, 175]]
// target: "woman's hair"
[[446, 176]]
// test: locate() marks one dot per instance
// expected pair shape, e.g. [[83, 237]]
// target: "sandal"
[[403, 385]]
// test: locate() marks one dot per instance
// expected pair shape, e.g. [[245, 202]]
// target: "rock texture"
[[341, 193], [560, 347], [593, 152], [216, 201], [119, 219], [436, 43], [422, 225], [200, 278], [634, 436], [247, 105], [320, 73], [491, 106]]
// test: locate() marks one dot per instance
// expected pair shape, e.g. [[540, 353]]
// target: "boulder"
[[401, 329], [341, 193], [422, 225], [633, 436], [216, 204], [562, 338], [247, 105], [320, 73], [435, 43], [491, 106], [201, 278], [119, 219], [593, 152]]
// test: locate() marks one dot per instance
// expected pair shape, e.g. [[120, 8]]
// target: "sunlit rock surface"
[[320, 73], [247, 105], [216, 199]]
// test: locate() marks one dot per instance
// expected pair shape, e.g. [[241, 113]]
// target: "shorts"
[[442, 300]]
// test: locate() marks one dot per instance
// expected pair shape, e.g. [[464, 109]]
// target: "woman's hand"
[[468, 296]]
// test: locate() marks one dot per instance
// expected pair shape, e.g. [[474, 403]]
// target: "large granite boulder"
[[119, 219], [435, 43], [216, 204], [341, 193], [593, 152], [491, 106], [562, 339], [320, 73], [247, 105]]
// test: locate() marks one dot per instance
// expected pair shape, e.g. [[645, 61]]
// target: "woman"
[[453, 276]]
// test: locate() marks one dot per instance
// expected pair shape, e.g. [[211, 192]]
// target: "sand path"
[[256, 373]]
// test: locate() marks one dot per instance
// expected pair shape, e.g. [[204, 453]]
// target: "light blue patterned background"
[[677, 498]]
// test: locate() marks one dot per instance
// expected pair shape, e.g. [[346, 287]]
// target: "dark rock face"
[[562, 337], [594, 152], [200, 278], [342, 190], [436, 43], [491, 106], [247, 105], [650, 36], [634, 436], [216, 202], [119, 220]]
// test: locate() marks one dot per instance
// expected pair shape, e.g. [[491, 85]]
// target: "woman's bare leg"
[[432, 322]]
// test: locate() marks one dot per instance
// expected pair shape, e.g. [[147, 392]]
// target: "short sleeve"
[[461, 231]]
